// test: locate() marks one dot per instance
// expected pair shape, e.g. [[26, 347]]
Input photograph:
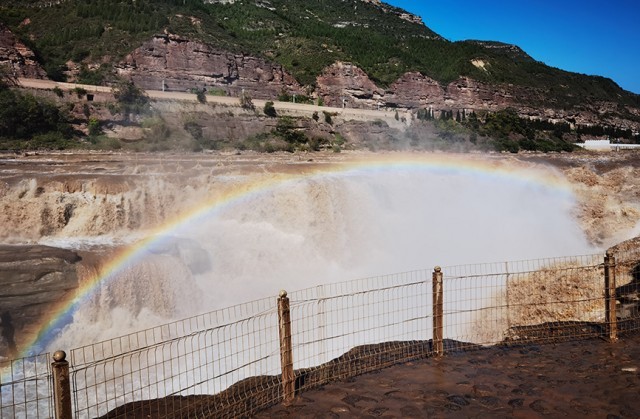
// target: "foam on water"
[[329, 227]]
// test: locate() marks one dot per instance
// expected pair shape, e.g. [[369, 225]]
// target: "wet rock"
[[33, 279], [378, 411], [459, 400], [541, 407], [410, 411], [516, 402], [481, 390], [340, 410], [452, 407], [353, 399], [489, 401]]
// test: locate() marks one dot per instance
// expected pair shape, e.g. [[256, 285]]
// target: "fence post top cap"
[[283, 293], [59, 356], [437, 269]]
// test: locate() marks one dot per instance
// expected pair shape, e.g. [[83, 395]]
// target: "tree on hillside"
[[7, 78], [246, 102], [131, 99], [270, 110], [201, 95]]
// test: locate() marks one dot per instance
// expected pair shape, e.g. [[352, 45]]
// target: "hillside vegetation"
[[304, 36]]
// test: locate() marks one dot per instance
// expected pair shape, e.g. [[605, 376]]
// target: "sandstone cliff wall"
[[183, 65]]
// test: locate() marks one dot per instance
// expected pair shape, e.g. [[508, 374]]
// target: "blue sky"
[[589, 36]]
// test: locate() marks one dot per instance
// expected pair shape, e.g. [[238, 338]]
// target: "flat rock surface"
[[591, 378]]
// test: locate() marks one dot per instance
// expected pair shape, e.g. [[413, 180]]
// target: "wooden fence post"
[[610, 296], [61, 386], [286, 348], [438, 346]]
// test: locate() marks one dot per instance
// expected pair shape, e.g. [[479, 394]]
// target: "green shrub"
[[130, 99], [23, 116], [217, 91], [201, 96], [194, 129], [79, 91], [327, 117], [246, 102], [270, 110], [94, 127]]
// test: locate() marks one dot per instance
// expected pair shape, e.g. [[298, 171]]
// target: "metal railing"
[[26, 387], [239, 360]]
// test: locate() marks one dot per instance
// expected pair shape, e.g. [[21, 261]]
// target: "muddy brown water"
[[591, 378]]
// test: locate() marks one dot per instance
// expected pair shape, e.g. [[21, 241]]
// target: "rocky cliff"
[[346, 83], [20, 60], [178, 64], [173, 63]]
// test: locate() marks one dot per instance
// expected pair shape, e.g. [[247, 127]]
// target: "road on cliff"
[[387, 115]]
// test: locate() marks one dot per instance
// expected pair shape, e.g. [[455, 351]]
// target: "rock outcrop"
[[32, 280], [20, 60], [344, 84], [414, 90], [172, 63]]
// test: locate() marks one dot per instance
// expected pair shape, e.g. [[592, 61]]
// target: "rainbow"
[[496, 167]]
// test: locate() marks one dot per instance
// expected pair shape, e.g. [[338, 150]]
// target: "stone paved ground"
[[591, 378]]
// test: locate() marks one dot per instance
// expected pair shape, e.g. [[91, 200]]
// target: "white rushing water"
[[331, 228]]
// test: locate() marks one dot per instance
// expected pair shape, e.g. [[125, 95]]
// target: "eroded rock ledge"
[[32, 279]]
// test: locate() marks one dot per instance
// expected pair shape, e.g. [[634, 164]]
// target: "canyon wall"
[[173, 63], [170, 62]]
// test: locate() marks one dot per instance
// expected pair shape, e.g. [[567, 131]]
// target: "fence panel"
[[348, 328], [25, 387], [173, 370], [522, 301], [627, 292]]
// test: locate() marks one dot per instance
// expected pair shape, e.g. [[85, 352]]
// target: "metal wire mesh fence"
[[338, 329], [236, 361], [524, 301], [170, 370], [25, 387], [626, 295]]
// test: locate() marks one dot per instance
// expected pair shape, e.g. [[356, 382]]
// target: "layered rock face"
[[19, 59], [344, 81], [32, 280], [177, 64], [413, 90], [344, 84]]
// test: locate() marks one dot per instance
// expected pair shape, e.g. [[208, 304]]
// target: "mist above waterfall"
[[331, 226]]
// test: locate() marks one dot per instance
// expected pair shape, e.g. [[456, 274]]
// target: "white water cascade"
[[328, 228]]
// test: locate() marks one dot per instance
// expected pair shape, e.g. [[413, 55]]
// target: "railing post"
[[438, 347], [610, 296], [61, 386], [286, 348]]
